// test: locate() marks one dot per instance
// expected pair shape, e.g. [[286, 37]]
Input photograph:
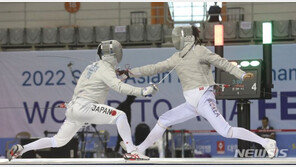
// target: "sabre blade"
[[175, 66]]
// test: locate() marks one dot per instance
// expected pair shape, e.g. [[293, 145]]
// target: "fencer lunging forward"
[[193, 66], [87, 104]]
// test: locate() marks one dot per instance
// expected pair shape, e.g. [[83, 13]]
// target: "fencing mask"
[[182, 36], [110, 51]]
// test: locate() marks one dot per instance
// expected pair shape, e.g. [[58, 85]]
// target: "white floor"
[[153, 162]]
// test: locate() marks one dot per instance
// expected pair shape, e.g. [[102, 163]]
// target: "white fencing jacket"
[[194, 70], [96, 80]]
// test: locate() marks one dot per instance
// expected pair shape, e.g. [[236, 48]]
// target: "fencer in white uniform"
[[87, 104], [193, 66]]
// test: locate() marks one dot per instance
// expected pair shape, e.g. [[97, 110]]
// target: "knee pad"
[[164, 123], [161, 125]]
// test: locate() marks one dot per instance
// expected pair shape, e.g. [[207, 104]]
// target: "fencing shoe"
[[271, 148], [135, 155], [14, 152]]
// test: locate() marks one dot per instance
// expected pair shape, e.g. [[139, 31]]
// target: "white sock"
[[244, 134], [153, 136], [124, 131], [39, 144]]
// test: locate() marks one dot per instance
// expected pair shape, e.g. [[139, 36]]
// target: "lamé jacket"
[[96, 81], [194, 69]]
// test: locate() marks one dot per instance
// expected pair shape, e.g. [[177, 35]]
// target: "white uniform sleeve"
[[153, 69], [116, 84], [222, 64]]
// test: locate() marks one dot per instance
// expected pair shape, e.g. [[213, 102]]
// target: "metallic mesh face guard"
[[181, 36], [110, 48]]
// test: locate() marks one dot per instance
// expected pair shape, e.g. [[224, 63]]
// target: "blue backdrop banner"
[[33, 83]]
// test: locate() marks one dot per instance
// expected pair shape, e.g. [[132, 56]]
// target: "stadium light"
[[267, 32], [219, 35]]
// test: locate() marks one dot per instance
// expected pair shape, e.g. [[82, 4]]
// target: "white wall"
[[54, 14], [267, 11]]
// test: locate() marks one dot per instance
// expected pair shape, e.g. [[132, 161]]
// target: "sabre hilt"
[[123, 72]]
